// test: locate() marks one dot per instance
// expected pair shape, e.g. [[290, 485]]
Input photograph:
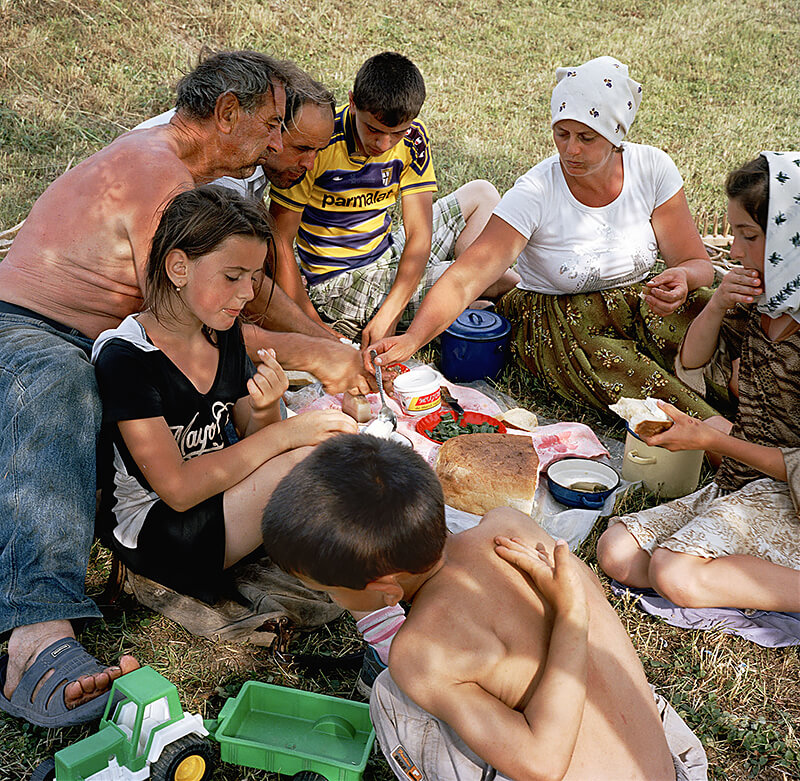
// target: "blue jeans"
[[50, 416]]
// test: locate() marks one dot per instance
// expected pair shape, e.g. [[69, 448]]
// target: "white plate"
[[571, 470], [401, 439]]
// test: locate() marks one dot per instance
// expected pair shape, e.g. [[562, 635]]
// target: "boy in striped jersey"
[[363, 279]]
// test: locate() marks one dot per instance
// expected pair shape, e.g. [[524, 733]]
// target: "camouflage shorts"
[[350, 299]]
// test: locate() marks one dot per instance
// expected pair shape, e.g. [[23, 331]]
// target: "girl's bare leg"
[[745, 582], [243, 505], [620, 557]]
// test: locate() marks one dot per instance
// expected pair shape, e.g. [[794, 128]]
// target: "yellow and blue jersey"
[[345, 198]]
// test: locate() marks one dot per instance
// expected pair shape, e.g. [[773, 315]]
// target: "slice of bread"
[[644, 417], [519, 418], [479, 472]]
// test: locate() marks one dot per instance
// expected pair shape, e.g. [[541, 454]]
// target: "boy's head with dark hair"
[[387, 95], [390, 87], [356, 510]]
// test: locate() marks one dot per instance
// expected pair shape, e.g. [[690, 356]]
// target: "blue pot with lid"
[[475, 346]]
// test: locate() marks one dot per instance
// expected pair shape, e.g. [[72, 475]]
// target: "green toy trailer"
[[145, 734]]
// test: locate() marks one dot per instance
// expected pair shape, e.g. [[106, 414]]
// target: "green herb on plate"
[[447, 428]]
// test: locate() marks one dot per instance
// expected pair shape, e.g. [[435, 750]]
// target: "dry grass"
[[721, 83]]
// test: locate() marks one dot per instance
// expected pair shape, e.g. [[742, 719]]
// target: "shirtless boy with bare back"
[[511, 663], [75, 269]]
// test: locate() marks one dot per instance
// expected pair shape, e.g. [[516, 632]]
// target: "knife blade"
[[448, 399]]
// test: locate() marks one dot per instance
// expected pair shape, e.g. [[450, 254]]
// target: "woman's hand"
[[268, 384], [667, 291], [738, 286], [311, 428], [686, 433], [557, 577]]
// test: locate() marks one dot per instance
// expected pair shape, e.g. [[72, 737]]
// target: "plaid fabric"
[[350, 299]]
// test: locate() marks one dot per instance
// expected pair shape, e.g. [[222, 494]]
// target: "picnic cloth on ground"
[[266, 597], [768, 629], [551, 442], [593, 348], [472, 400]]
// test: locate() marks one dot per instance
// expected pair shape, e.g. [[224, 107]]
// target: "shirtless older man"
[[76, 268], [511, 663]]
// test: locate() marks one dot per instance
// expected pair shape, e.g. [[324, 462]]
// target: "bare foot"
[[87, 687], [27, 642]]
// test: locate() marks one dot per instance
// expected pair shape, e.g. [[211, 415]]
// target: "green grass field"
[[721, 82]]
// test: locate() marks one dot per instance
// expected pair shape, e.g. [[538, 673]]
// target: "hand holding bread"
[[686, 433], [644, 417]]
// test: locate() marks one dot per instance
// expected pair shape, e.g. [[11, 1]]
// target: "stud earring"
[[177, 289]]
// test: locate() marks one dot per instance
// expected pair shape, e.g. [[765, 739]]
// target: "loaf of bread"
[[644, 417], [479, 472]]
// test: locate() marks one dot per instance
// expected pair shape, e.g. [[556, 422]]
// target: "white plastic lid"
[[415, 379]]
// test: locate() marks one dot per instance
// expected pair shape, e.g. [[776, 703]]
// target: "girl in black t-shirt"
[[198, 439]]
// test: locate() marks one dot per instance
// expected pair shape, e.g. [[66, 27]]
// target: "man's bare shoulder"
[[151, 153], [135, 170]]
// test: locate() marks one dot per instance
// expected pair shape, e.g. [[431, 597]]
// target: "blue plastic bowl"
[[565, 473]]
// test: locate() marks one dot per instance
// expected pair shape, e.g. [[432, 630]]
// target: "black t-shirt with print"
[[137, 384]]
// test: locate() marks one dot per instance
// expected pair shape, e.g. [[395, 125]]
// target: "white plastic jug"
[[663, 472]]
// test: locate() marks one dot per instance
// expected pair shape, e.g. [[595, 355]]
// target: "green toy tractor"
[[144, 734]]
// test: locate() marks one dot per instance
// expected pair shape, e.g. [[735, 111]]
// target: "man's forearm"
[[337, 366], [294, 351], [283, 314]]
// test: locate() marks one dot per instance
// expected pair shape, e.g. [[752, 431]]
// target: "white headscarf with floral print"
[[782, 250], [598, 93]]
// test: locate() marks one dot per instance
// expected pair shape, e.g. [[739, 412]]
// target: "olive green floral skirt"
[[593, 348]]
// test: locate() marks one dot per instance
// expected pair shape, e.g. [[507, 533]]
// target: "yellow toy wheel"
[[190, 758], [191, 768]]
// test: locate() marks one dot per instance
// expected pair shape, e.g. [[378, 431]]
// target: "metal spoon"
[[385, 412]]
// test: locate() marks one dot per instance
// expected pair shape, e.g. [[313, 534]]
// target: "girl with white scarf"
[[735, 542]]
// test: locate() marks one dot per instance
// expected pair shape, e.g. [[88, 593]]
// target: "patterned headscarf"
[[782, 250], [598, 93]]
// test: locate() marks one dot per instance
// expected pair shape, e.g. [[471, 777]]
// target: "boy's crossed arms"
[[514, 733]]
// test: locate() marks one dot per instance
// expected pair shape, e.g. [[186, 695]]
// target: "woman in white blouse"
[[585, 227]]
